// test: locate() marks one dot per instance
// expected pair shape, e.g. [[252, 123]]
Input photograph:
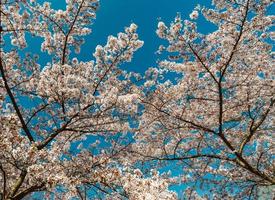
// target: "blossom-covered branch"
[[217, 118]]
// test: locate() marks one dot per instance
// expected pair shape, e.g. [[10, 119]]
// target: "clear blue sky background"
[[114, 15]]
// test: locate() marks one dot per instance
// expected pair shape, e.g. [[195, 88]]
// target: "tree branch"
[[14, 103], [4, 181], [254, 128], [28, 191], [18, 183]]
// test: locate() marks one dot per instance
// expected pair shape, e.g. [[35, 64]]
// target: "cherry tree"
[[64, 124], [68, 127], [214, 119]]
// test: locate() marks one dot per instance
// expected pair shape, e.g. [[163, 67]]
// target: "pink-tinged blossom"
[[216, 119], [69, 127], [194, 14], [69, 102]]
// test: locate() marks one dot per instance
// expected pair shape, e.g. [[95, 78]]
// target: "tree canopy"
[[91, 130]]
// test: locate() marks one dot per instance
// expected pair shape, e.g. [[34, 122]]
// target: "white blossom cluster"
[[90, 130], [217, 117]]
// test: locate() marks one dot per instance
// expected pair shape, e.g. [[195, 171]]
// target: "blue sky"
[[114, 15]]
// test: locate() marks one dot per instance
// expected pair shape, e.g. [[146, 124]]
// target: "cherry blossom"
[[73, 129], [46, 111], [215, 120]]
